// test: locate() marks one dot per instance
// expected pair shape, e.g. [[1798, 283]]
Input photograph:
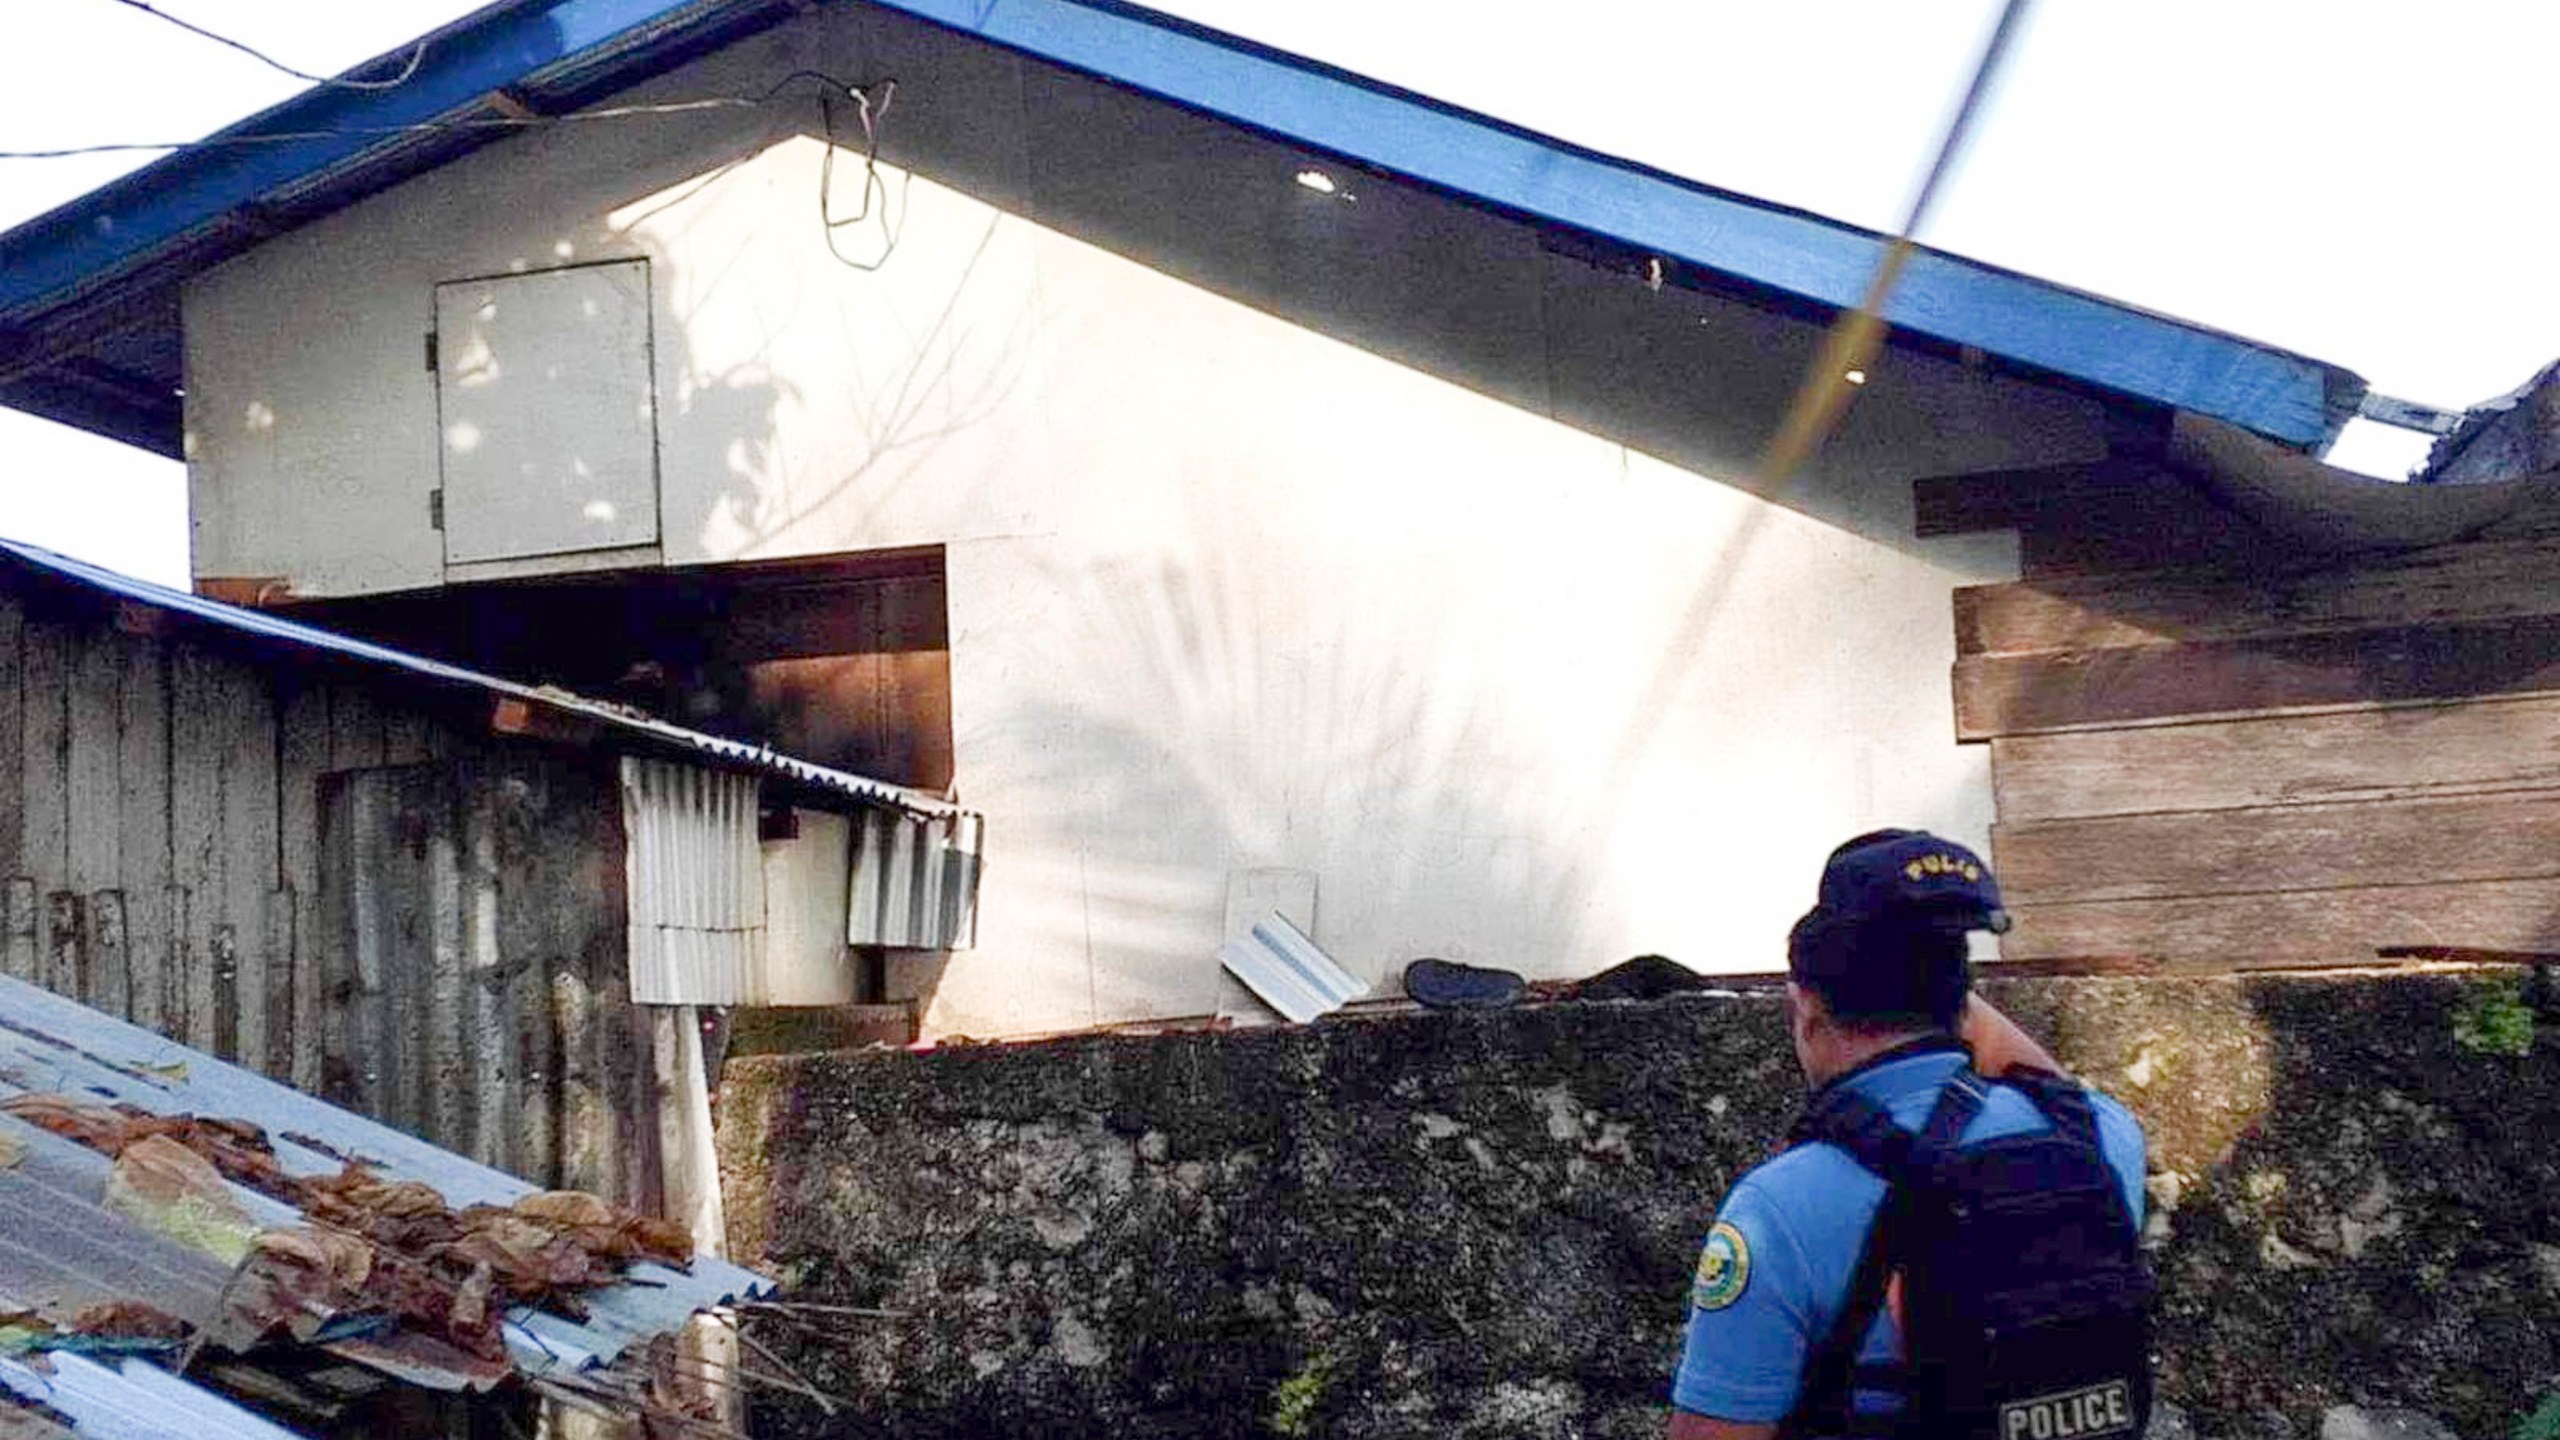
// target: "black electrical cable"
[[272, 63]]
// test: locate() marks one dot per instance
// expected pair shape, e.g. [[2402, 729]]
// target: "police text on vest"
[[2105, 1409]]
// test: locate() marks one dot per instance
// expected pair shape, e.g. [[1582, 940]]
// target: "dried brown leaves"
[[373, 1245]]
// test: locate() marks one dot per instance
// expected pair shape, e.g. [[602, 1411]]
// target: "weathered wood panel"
[[2445, 583], [2369, 754], [93, 721], [65, 941], [302, 757], [44, 814], [19, 955], [248, 843], [2287, 847], [439, 1068], [108, 981], [196, 845], [355, 728], [2155, 522], [1984, 500], [13, 764], [142, 768], [496, 1084], [2299, 927], [2091, 689], [473, 916]]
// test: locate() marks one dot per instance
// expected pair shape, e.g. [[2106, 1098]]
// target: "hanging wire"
[[272, 63], [472, 124], [423, 127], [873, 187]]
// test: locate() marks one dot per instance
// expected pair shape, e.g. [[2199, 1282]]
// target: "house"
[[1249, 486], [476, 910], [159, 1205]]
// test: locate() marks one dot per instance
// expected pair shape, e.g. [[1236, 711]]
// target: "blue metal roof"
[[646, 731], [82, 273], [130, 1399], [48, 1043]]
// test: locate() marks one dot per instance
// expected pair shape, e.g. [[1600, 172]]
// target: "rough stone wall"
[[1484, 1224]]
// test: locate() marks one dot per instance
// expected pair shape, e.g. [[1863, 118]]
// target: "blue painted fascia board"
[[2052, 328], [127, 219], [2169, 362]]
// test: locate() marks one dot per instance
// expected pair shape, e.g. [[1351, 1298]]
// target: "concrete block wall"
[[1483, 1224]]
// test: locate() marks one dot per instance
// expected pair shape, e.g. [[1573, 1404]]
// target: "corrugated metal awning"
[[629, 727]]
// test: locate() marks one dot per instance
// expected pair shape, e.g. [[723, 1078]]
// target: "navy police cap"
[[1911, 875]]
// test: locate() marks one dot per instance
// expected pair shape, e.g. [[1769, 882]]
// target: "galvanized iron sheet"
[[695, 883], [132, 1400], [915, 882], [629, 725], [49, 1043]]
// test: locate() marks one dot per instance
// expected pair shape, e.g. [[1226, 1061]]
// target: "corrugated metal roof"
[[101, 267], [631, 726], [48, 1043], [130, 1399], [1285, 968]]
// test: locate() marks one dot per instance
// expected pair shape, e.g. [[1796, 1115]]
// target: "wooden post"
[[689, 1163]]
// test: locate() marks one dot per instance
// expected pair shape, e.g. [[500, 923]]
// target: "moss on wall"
[[1483, 1224]]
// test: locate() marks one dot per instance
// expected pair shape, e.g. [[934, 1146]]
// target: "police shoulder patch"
[[1724, 1267]]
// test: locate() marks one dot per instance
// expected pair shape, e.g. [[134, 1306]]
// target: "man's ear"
[[1805, 1010]]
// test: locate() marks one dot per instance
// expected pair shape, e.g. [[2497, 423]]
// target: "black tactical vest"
[[2025, 1300]]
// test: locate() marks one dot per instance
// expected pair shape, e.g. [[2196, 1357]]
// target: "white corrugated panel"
[[1279, 963], [696, 883], [805, 884], [915, 882]]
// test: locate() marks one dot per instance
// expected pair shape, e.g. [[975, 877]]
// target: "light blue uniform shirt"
[[1797, 1224]]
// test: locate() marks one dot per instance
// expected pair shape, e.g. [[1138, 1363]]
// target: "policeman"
[[1881, 1010]]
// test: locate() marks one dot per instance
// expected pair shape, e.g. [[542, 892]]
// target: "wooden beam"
[[2444, 583], [2304, 927], [2006, 499], [251, 591], [514, 716], [2465, 748], [2281, 847], [2000, 695]]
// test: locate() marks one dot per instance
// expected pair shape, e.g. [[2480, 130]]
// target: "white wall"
[[1524, 680]]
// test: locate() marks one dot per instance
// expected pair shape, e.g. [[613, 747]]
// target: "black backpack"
[[2026, 1302]]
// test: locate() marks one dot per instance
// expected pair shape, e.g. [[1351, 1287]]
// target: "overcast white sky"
[[2356, 180]]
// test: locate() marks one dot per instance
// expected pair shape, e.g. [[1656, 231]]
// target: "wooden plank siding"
[[2282, 847], [2212, 751], [329, 877], [2448, 748], [2293, 927], [2445, 583]]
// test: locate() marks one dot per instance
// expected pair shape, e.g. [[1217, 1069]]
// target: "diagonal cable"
[[272, 63], [1857, 336]]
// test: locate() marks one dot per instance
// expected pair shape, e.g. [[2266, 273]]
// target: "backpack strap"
[[1959, 1101], [2063, 1101], [1826, 1401]]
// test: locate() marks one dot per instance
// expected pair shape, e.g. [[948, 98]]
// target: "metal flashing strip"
[[1279, 963], [620, 719], [51, 1043]]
